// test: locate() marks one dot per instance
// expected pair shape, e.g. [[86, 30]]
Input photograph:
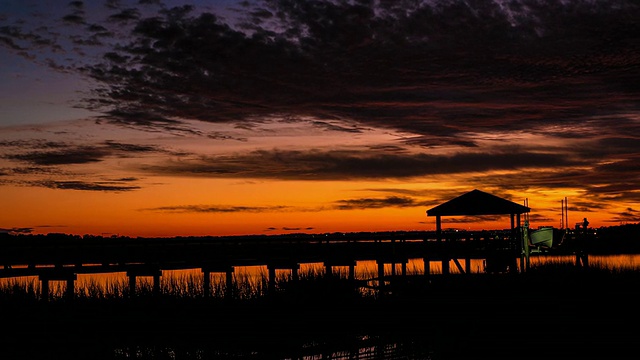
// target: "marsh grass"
[[311, 282], [190, 285], [475, 316]]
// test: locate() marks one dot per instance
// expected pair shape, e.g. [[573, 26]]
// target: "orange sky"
[[250, 118], [151, 195]]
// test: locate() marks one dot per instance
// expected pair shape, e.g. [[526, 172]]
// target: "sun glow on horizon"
[[348, 126]]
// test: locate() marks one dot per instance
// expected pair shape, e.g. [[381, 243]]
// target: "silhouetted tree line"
[[619, 239]]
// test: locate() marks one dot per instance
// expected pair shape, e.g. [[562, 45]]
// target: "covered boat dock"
[[478, 203]]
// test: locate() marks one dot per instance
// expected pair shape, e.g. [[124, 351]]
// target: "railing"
[[61, 257], [32, 255]]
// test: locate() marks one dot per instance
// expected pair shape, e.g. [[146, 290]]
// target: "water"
[[363, 270]]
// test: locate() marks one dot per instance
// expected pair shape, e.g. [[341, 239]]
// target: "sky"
[[177, 118]]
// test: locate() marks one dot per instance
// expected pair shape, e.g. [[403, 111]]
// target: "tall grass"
[[179, 286], [458, 316], [247, 287]]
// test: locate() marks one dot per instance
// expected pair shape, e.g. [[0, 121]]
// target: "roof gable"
[[477, 202]]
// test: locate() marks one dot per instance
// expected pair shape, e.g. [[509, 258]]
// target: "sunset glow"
[[259, 118]]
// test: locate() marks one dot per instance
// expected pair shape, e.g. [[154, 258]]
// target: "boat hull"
[[543, 237]]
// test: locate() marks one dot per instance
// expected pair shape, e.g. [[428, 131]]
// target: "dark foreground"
[[549, 313]]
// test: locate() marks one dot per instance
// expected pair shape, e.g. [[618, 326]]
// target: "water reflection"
[[357, 348], [253, 276]]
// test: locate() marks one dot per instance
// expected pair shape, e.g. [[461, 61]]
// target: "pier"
[[59, 257]]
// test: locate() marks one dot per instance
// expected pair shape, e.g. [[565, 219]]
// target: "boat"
[[542, 237], [546, 237]]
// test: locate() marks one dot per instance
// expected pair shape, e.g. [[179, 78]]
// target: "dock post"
[[352, 271], [134, 271], [381, 283], [70, 291], [283, 264], [60, 274], [443, 246], [427, 267], [328, 270], [132, 285], [207, 269], [294, 272], [229, 284], [156, 284], [272, 278], [206, 284], [445, 265], [44, 292]]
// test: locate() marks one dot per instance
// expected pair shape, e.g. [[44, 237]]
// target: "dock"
[[60, 257]]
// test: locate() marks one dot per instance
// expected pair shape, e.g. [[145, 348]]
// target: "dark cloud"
[[400, 191], [412, 66], [348, 204], [33, 143], [86, 41], [333, 127], [8, 42], [76, 155], [16, 230], [150, 2], [377, 203], [74, 18], [540, 219], [218, 209], [112, 4], [127, 179], [96, 28], [222, 136], [33, 170], [629, 216], [125, 15], [77, 4], [287, 228], [59, 153], [22, 41], [147, 121], [47, 163], [440, 67], [441, 72], [130, 148], [354, 164], [87, 186]]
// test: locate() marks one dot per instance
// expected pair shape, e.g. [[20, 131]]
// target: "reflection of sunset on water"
[[190, 281]]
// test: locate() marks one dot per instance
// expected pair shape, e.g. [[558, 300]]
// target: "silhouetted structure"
[[478, 202], [61, 257]]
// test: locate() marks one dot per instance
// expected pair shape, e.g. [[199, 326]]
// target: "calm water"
[[363, 270]]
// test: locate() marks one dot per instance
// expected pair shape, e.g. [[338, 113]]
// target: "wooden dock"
[[61, 257]]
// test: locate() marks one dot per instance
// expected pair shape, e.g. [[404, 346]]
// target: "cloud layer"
[[548, 89]]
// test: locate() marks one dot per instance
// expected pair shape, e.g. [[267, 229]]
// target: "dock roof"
[[477, 202]]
